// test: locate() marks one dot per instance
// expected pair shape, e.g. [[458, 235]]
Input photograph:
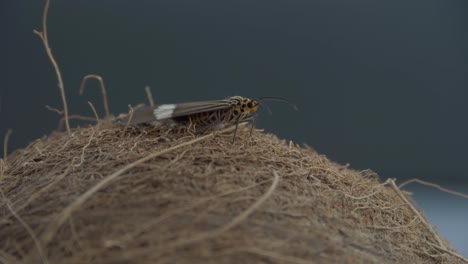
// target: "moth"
[[202, 114]]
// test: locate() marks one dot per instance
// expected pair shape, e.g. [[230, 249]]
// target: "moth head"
[[252, 105], [244, 105], [247, 105]]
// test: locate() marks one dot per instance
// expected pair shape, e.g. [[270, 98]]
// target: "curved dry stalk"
[[94, 111], [52, 109], [43, 36], [82, 159], [103, 90], [433, 185]]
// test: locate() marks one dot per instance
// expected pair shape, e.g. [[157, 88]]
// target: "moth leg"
[[235, 130], [253, 119]]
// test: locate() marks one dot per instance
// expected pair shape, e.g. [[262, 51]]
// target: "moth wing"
[[141, 114], [166, 111]]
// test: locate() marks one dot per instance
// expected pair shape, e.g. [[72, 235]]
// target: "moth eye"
[[250, 105]]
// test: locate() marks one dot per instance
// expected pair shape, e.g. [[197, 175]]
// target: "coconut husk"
[[142, 194]]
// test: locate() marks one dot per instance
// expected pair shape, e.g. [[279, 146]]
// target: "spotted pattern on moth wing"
[[239, 109]]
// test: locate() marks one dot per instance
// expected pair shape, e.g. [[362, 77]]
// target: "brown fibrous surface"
[[152, 195]]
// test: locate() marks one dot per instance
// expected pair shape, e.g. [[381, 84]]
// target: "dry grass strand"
[[94, 111], [435, 186], [103, 90], [53, 109], [43, 36]]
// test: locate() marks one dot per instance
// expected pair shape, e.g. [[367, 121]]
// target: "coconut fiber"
[[141, 194]]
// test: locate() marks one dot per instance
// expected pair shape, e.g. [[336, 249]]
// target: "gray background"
[[379, 84]]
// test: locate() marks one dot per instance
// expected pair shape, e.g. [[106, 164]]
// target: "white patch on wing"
[[164, 111]]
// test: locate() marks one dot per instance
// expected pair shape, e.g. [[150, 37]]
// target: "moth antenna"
[[272, 98], [266, 107]]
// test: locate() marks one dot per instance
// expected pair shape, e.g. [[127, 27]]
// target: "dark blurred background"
[[379, 84]]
